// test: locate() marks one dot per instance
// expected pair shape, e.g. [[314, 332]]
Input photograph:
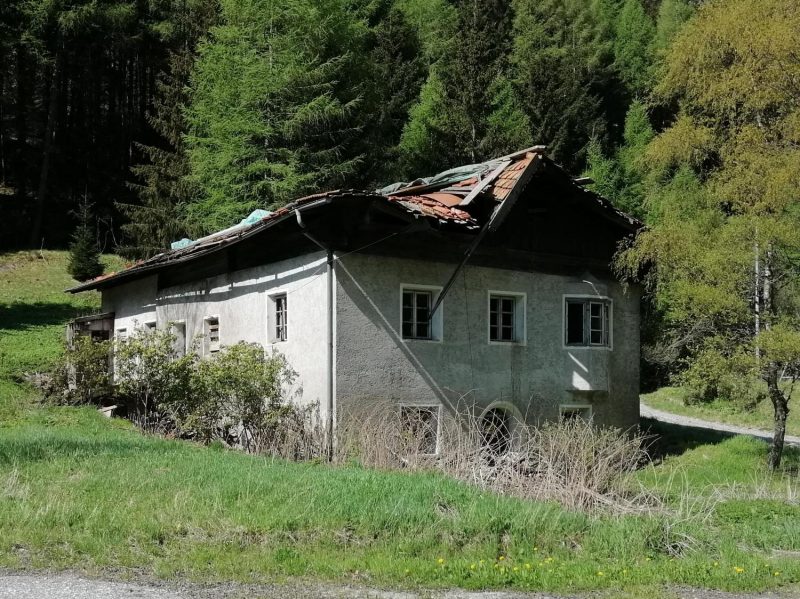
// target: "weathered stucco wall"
[[374, 363], [241, 301]]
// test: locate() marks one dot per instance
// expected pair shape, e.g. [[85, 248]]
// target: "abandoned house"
[[488, 284]]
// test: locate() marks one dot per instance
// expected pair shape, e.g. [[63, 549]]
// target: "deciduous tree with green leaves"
[[724, 256]]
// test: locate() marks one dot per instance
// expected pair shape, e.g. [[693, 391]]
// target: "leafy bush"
[[82, 375], [153, 379], [714, 374]]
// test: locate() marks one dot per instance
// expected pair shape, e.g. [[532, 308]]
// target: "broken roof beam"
[[483, 184]]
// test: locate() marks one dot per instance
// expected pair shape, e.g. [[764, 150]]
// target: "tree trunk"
[[47, 150], [780, 405]]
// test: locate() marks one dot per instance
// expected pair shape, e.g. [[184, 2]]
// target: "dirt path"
[[669, 418], [72, 586]]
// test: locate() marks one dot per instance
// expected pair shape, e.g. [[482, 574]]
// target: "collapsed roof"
[[469, 199]]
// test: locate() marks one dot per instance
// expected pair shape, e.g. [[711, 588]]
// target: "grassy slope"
[[77, 490], [671, 399]]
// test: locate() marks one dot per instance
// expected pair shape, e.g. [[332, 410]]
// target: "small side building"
[[489, 286]]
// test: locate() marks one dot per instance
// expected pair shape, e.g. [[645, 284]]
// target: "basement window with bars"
[[506, 318], [587, 322], [212, 334], [420, 428], [417, 306]]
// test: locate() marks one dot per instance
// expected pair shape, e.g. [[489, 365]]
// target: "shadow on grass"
[[21, 449], [675, 439], [20, 316]]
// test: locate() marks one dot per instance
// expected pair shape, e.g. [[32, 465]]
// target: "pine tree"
[[274, 110], [84, 253]]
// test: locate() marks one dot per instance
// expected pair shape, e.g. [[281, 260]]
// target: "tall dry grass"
[[581, 466]]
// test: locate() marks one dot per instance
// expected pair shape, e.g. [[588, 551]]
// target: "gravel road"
[[72, 586], [668, 417]]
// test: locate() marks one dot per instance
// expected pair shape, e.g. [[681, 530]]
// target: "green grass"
[[81, 491], [671, 399]]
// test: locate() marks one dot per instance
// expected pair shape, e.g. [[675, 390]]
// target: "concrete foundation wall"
[[242, 302], [533, 377]]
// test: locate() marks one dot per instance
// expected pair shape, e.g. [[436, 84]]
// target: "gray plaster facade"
[[531, 378]]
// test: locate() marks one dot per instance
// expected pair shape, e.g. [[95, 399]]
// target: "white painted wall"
[[240, 300]]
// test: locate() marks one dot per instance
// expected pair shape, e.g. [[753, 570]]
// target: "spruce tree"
[[84, 253]]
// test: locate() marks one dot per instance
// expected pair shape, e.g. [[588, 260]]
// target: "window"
[[587, 322], [506, 317], [569, 414], [278, 318], [122, 334], [150, 326], [417, 306], [420, 428], [212, 335]]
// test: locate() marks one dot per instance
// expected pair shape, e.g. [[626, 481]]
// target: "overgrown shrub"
[[82, 375], [153, 379], [714, 374]]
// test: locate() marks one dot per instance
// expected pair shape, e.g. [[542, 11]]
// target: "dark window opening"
[[420, 427], [587, 322], [416, 314], [496, 431], [502, 318]]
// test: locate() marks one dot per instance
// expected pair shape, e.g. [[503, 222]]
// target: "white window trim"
[[522, 310], [437, 322], [564, 407], [437, 409], [206, 341], [270, 319], [587, 296]]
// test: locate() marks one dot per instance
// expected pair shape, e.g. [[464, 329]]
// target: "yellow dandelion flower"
[[536, 549], [738, 570], [776, 573], [407, 571], [516, 568], [648, 559], [501, 558], [601, 573], [472, 566], [528, 566], [440, 560], [481, 562], [716, 564]]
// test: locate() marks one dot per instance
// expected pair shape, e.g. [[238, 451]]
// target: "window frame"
[[436, 410], [571, 407], [207, 346], [272, 316], [150, 325], [607, 316], [520, 317], [121, 334], [436, 323]]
